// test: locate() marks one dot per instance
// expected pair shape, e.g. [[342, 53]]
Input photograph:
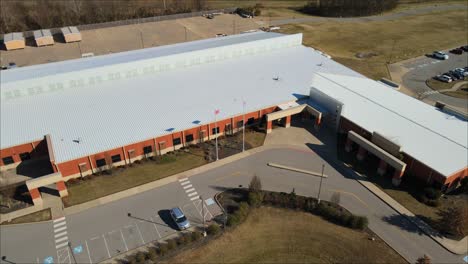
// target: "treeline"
[[348, 8], [24, 15]]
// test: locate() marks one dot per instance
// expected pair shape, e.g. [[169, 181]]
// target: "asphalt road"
[[425, 68], [107, 230]]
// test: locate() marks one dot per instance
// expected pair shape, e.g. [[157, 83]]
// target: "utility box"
[[43, 37], [14, 41], [71, 34]]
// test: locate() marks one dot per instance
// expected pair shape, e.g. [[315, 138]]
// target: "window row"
[[23, 156]]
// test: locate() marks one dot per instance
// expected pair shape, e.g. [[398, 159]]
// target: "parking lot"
[[415, 72], [139, 231]]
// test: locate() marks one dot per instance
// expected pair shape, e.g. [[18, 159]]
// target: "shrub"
[[196, 236], [152, 254], [182, 240], [255, 199], [171, 244], [213, 229], [422, 198], [233, 220], [243, 210], [432, 193], [140, 257], [362, 222], [131, 259], [163, 249]]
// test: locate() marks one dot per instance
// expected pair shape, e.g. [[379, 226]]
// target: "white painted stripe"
[[60, 224], [194, 198], [59, 219], [183, 183], [61, 239], [190, 190], [183, 179], [60, 229], [192, 194], [187, 186], [61, 245], [61, 234]]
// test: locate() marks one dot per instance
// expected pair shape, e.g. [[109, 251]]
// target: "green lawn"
[[271, 235], [39, 216], [122, 179]]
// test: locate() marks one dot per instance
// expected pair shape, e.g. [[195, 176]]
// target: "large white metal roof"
[[113, 100]]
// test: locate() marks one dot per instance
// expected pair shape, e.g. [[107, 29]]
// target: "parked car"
[[457, 51], [443, 78], [464, 48], [451, 75], [461, 71], [457, 74], [179, 218], [440, 55]]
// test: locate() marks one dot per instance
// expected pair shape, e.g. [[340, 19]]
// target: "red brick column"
[[382, 168], [36, 196], [348, 145], [62, 188], [269, 126], [287, 121], [361, 153], [396, 180]]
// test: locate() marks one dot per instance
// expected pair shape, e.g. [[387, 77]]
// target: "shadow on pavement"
[[167, 219], [406, 223], [323, 151]]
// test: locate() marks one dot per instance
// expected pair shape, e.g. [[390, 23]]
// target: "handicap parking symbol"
[[49, 260], [78, 249]]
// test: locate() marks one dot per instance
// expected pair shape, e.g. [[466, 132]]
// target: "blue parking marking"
[[466, 259], [49, 260], [78, 249]]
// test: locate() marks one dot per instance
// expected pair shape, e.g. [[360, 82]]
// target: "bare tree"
[[255, 184], [423, 260]]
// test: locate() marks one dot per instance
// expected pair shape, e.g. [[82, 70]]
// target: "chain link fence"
[[117, 23]]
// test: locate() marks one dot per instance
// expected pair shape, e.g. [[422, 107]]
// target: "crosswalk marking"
[[61, 245], [60, 229], [184, 183], [194, 198], [59, 219], [183, 179], [60, 234], [60, 224], [187, 186], [192, 194], [190, 190], [61, 239]]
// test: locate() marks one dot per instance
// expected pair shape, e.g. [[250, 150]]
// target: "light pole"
[[216, 134], [71, 251], [320, 186], [243, 126], [203, 215]]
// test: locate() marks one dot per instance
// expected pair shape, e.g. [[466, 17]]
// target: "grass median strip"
[[39, 216], [272, 235]]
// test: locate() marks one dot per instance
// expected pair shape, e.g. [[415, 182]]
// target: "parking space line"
[[123, 239], [89, 254], [157, 231], [139, 232], [105, 243], [187, 186]]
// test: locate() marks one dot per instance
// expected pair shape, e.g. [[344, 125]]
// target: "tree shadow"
[[413, 224]]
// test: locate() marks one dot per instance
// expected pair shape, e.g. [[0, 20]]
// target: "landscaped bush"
[[163, 249], [255, 199], [432, 193], [196, 236], [213, 229], [140, 257], [152, 254], [171, 244], [233, 220]]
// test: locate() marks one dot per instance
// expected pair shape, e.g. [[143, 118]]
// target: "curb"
[[313, 173]]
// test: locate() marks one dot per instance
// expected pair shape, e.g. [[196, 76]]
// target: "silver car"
[[440, 55], [179, 218]]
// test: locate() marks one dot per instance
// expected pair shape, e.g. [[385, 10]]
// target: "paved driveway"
[[107, 230]]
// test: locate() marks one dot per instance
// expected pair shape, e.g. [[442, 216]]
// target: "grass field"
[[139, 174], [272, 235], [43, 215], [459, 93], [389, 40]]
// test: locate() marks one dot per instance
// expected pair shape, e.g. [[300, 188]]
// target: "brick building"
[[120, 107]]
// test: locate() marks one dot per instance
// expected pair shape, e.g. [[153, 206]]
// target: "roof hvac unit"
[[71, 34], [43, 37], [14, 41]]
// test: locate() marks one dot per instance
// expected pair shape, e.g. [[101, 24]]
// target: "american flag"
[[216, 111]]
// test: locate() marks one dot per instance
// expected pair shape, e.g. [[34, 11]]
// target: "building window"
[[189, 138], [147, 149], [215, 130], [25, 156], [240, 124], [8, 160], [100, 162], [116, 158], [176, 141]]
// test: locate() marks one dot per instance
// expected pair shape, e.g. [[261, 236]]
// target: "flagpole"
[[243, 126], [216, 137]]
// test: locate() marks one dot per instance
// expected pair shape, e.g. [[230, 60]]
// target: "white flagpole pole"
[[243, 126], [216, 138]]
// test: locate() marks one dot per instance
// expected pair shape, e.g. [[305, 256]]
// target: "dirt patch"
[[365, 55]]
